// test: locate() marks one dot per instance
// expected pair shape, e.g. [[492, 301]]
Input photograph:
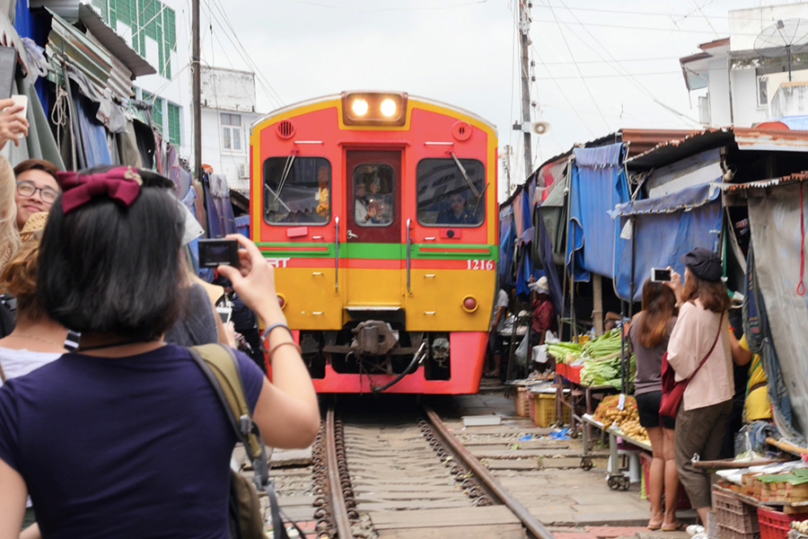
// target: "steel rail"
[[481, 472], [338, 510]]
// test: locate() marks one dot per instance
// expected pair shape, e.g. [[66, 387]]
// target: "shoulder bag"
[[673, 391], [245, 518]]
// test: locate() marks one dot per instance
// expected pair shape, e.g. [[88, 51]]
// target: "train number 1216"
[[480, 264]]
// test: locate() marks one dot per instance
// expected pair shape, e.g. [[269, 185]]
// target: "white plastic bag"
[[520, 354], [540, 353]]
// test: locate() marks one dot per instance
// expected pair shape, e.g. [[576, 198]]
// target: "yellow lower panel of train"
[[435, 301]]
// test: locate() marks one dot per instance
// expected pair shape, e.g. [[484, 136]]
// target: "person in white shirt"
[[37, 339], [361, 215]]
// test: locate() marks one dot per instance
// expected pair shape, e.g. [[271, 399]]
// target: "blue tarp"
[[597, 184], [665, 228]]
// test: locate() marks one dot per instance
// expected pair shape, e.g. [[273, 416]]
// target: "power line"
[[705, 18], [626, 61], [631, 78], [246, 54], [577, 67], [648, 28], [620, 75], [564, 95], [349, 8], [275, 100], [643, 13]]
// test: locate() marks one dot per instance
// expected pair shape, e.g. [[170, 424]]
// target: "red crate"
[[774, 524], [561, 369], [574, 373]]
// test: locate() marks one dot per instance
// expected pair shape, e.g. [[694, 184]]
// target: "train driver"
[[456, 213]]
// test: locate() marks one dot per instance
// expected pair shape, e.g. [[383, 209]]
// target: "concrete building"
[[228, 110], [155, 30], [737, 84]]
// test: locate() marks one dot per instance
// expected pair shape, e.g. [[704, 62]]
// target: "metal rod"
[[196, 90], [338, 509], [409, 248], [336, 254], [481, 472]]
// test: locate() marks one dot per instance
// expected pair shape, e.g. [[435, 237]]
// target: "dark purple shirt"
[[123, 447]]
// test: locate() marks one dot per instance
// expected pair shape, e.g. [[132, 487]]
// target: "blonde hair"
[[18, 278], [9, 235]]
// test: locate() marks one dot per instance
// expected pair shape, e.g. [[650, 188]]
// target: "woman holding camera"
[[699, 351], [648, 338], [126, 437]]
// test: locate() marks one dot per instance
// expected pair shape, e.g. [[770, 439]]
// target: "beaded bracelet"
[[268, 330], [287, 343]]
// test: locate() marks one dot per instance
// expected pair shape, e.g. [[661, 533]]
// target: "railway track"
[[401, 477]]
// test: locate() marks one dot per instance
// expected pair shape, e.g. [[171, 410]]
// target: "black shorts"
[[648, 407], [494, 343]]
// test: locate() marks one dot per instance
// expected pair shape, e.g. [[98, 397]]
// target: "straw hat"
[[34, 224]]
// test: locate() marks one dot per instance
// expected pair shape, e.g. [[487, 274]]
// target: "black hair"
[[105, 268]]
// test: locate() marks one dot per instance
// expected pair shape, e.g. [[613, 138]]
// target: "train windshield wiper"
[[286, 170], [465, 176]]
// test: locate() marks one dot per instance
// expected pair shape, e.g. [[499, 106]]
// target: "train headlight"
[[470, 304], [388, 108], [359, 106], [375, 109]]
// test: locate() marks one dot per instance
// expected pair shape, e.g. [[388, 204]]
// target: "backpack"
[[245, 520]]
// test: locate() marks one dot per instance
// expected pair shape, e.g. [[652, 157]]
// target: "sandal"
[[672, 528]]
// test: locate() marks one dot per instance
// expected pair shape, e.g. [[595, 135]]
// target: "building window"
[[762, 91], [157, 110], [231, 132], [174, 124], [149, 18]]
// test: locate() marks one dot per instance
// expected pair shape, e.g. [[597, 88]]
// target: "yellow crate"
[[542, 410]]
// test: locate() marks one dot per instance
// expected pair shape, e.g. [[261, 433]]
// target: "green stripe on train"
[[382, 251]]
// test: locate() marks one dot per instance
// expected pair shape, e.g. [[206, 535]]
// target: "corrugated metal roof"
[[747, 138], [66, 41], [762, 184], [114, 43]]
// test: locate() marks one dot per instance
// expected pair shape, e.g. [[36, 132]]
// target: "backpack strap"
[[220, 366]]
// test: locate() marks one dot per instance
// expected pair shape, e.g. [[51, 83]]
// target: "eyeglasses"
[[27, 189]]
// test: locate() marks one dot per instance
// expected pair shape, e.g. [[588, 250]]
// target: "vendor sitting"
[[757, 406]]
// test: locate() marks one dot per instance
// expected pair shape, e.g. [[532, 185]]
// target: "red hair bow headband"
[[120, 183]]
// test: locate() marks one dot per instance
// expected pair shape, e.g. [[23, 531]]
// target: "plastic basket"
[[544, 410], [774, 524], [574, 373], [520, 401], [734, 515]]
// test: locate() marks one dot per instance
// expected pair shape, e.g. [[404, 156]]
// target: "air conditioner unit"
[[242, 170]]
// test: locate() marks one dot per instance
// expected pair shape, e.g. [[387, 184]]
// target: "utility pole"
[[196, 91], [506, 163], [524, 40]]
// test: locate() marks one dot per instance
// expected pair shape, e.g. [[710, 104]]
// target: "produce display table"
[[579, 394]]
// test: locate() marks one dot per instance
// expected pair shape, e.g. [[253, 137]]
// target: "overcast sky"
[[464, 52]]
